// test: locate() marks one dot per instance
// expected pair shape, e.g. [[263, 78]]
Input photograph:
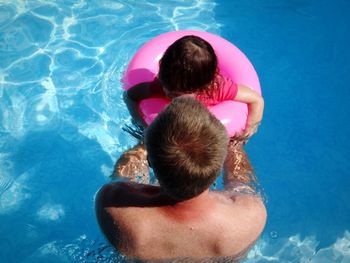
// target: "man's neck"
[[193, 208]]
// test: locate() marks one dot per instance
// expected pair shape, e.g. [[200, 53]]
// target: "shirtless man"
[[181, 220]]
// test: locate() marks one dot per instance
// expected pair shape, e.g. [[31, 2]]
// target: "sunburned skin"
[[213, 219]]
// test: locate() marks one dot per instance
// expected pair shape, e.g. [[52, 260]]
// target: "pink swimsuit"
[[227, 91]]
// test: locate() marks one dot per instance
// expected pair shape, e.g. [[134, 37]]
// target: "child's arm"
[[135, 94], [255, 108]]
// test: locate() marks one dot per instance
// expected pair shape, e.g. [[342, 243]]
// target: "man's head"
[[186, 147]]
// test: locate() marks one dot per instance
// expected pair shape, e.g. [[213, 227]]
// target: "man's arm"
[[239, 180], [237, 167]]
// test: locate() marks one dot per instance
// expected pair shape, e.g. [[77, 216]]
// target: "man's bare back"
[[181, 220], [150, 226]]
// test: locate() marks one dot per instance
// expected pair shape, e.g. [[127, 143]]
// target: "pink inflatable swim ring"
[[232, 64]]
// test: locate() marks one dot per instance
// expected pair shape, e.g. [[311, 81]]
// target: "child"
[[189, 67]]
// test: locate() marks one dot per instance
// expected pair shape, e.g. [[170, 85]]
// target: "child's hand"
[[250, 130]]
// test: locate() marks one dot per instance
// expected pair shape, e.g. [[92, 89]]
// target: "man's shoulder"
[[112, 191], [249, 209], [244, 218], [249, 203], [253, 213], [123, 194]]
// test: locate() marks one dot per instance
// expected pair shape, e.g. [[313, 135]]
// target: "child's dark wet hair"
[[188, 65]]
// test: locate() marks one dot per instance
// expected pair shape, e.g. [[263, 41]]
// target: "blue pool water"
[[61, 113]]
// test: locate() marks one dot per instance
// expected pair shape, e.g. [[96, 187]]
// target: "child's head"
[[189, 65], [186, 148]]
